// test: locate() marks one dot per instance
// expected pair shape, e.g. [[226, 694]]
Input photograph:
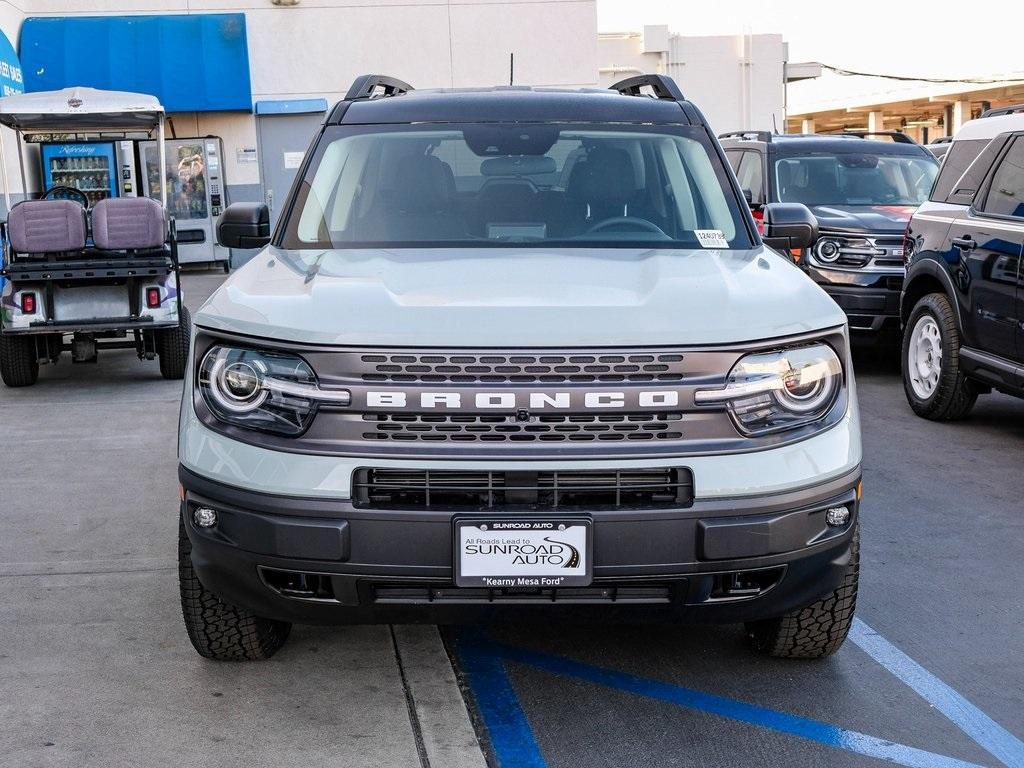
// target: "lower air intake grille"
[[566, 490]]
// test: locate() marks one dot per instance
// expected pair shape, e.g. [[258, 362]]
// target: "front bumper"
[[871, 300], [360, 566]]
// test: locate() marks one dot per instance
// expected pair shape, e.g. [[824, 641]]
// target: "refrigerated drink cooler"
[[98, 169], [195, 193]]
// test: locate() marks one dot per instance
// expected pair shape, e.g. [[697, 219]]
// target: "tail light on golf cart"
[[758, 214], [28, 303], [153, 298]]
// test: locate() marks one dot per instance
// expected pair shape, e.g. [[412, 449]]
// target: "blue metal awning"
[[290, 106], [192, 63]]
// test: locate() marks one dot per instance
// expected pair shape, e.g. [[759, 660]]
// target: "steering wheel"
[[65, 192], [629, 221]]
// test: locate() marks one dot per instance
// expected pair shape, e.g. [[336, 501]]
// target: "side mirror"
[[788, 226], [244, 225]]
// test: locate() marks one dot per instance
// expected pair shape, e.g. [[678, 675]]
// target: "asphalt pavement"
[[932, 675], [96, 669]]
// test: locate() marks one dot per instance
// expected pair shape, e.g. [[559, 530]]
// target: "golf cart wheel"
[[935, 386], [219, 630], [172, 347], [19, 366], [816, 630]]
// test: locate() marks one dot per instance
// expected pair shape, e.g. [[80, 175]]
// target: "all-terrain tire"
[[955, 394], [219, 630], [816, 630], [19, 366], [172, 347]]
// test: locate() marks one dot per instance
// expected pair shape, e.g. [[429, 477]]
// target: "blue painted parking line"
[[516, 747], [510, 734], [991, 736]]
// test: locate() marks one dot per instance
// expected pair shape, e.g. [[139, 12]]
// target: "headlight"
[[827, 249], [267, 391], [775, 391], [845, 251]]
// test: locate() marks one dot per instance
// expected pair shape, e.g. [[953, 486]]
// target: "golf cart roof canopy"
[[81, 109]]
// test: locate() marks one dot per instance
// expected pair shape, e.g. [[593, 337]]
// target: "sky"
[[893, 37]]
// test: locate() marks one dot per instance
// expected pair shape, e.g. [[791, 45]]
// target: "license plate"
[[523, 553]]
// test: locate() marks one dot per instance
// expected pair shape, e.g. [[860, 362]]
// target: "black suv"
[[963, 301], [862, 191]]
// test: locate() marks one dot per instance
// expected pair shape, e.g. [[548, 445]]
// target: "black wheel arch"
[[924, 277]]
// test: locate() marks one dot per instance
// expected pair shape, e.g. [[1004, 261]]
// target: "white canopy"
[[80, 109]]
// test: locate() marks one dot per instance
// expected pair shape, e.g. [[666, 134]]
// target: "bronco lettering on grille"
[[513, 400]]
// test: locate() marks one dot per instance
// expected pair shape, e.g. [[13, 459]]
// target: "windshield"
[[855, 178], [505, 185]]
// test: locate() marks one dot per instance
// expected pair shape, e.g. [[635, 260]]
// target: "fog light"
[[205, 517], [835, 516]]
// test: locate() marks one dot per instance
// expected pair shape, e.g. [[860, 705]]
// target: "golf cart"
[[78, 275]]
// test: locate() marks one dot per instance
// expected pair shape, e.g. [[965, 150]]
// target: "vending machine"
[[195, 193], [98, 169]]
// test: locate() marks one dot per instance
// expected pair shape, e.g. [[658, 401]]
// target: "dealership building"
[[259, 74]]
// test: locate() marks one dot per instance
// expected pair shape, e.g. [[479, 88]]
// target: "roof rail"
[[998, 111], [664, 87], [899, 137], [364, 86], [765, 136]]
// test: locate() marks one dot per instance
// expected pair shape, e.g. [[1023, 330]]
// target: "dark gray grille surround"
[[407, 429]]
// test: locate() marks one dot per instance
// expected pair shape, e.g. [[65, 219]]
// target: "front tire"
[[172, 347], [219, 630], [19, 366], [816, 630], [935, 386]]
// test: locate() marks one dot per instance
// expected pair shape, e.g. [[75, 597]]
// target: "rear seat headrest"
[[128, 223], [46, 226]]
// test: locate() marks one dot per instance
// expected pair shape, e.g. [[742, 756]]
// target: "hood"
[[864, 219], [517, 297]]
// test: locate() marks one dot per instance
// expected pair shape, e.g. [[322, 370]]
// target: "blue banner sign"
[[11, 80]]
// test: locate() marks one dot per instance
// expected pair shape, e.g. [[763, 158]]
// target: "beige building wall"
[[315, 49], [737, 81]]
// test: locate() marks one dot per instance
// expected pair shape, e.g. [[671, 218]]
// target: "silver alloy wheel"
[[924, 357]]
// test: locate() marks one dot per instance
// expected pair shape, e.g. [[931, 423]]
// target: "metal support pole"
[[21, 164], [163, 164]]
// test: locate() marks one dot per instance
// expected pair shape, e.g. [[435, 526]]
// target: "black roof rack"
[[365, 87], [999, 111], [664, 87], [898, 137], [765, 136]]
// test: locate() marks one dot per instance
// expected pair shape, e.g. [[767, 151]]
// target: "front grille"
[[875, 252], [521, 368], [503, 429], [653, 488]]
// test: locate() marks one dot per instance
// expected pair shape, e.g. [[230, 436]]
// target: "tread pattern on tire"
[[172, 347], [816, 630], [219, 630], [18, 364], [955, 395]]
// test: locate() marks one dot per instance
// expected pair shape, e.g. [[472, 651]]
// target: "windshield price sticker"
[[518, 553], [711, 238]]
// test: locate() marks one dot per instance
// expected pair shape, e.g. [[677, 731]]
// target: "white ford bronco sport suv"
[[517, 352]]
